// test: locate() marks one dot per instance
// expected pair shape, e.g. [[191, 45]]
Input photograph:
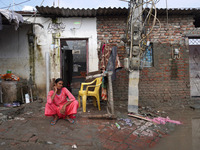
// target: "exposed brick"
[[131, 139], [122, 147], [120, 135], [111, 145], [166, 73]]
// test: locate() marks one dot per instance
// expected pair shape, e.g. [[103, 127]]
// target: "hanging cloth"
[[109, 62], [113, 64], [104, 60]]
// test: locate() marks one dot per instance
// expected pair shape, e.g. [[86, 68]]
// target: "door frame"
[[87, 53], [191, 37]]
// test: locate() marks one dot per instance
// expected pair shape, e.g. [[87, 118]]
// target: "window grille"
[[147, 60], [194, 41]]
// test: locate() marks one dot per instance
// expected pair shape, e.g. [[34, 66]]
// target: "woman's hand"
[[55, 88], [63, 109]]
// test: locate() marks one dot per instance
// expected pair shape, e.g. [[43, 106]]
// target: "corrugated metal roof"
[[179, 11], [67, 12]]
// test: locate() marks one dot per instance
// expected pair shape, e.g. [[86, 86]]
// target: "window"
[[147, 60], [194, 41]]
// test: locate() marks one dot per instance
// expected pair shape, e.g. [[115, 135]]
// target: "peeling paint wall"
[[48, 42], [14, 51], [42, 44]]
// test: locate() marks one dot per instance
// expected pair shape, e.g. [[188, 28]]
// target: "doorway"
[[194, 59], [74, 63]]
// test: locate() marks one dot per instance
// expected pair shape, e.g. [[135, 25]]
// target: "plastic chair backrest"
[[98, 81]]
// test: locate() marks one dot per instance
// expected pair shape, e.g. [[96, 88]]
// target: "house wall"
[[48, 42], [85, 30], [167, 82], [14, 51], [110, 30]]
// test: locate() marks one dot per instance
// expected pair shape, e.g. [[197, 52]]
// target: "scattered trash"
[[9, 76], [10, 117], [117, 125], [49, 142], [8, 105], [16, 104], [19, 118], [3, 143], [74, 146], [127, 122], [27, 98], [28, 113], [161, 120]]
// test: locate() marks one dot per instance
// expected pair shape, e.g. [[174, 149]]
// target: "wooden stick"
[[94, 76], [137, 116], [104, 116]]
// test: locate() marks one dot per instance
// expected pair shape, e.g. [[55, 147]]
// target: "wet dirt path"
[[182, 137]]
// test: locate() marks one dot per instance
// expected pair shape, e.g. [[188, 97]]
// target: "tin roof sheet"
[[71, 12]]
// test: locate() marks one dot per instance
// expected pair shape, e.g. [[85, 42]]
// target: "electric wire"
[[144, 37], [35, 13], [15, 4], [3, 3]]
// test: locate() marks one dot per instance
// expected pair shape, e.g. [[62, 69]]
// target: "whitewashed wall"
[[44, 40], [86, 29]]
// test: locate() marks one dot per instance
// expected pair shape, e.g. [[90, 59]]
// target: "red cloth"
[[53, 108]]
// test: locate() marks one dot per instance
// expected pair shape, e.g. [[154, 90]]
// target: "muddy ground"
[[26, 127]]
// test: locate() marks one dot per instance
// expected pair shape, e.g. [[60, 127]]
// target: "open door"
[[194, 59], [74, 63]]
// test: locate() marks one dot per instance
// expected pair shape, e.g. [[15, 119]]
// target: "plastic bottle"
[[118, 126], [27, 98]]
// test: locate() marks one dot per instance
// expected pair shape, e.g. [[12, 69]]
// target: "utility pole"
[[136, 43], [133, 62]]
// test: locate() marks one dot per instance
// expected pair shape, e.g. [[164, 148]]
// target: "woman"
[[57, 104]]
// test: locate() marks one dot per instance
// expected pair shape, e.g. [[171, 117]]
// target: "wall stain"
[[174, 69]]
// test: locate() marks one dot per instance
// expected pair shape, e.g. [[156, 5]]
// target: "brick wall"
[[111, 30], [167, 82]]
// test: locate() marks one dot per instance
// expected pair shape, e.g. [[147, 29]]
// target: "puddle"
[[196, 133]]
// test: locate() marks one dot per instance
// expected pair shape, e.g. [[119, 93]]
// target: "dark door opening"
[[74, 63]]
